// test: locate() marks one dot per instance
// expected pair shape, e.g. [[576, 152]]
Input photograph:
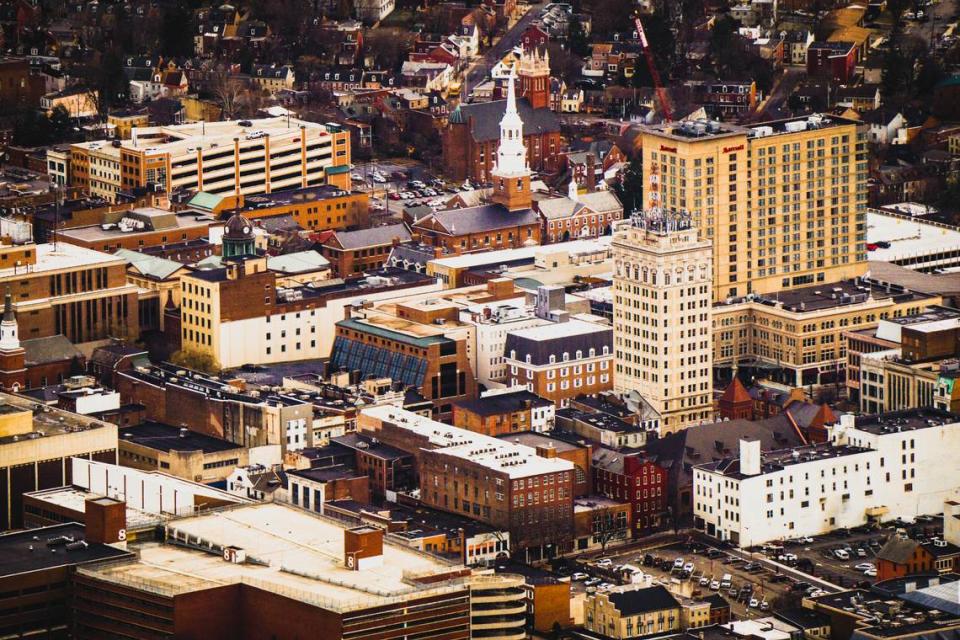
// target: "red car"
[[872, 247], [394, 196]]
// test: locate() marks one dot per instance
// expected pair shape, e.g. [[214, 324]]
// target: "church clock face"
[[246, 230]]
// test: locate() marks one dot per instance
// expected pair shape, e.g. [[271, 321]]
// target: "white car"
[[688, 567], [787, 557], [356, 177], [754, 603], [704, 581], [864, 566], [603, 586], [604, 562], [714, 585], [378, 178], [764, 605], [678, 563], [870, 573], [577, 577]]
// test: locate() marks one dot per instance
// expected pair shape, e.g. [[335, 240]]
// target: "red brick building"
[[635, 479], [903, 556], [834, 60], [473, 134]]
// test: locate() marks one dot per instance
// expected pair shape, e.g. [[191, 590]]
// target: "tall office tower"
[[784, 202], [663, 292]]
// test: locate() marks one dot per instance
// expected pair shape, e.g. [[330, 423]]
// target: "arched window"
[[566, 356], [553, 358], [592, 352], [579, 354]]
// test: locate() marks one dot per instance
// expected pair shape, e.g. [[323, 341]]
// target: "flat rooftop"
[[165, 437], [75, 499], [46, 548], [773, 461], [106, 232], [64, 257], [556, 330], [47, 421], [289, 551], [293, 196], [908, 237], [522, 254], [829, 295], [182, 138], [711, 129], [515, 460], [909, 420]]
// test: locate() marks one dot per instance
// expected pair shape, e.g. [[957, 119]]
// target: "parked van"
[[725, 581]]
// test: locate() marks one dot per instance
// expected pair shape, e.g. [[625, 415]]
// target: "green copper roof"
[[204, 200], [343, 168], [389, 334]]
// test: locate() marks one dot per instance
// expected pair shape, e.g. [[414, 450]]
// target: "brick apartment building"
[[562, 360], [526, 491], [502, 414], [634, 479], [363, 249]]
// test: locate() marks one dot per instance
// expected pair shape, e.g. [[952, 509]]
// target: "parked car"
[[732, 592], [592, 582], [764, 605], [704, 581], [678, 563], [754, 603], [714, 585], [688, 567], [787, 558], [714, 553], [870, 573], [604, 562], [861, 552], [863, 566], [841, 554]]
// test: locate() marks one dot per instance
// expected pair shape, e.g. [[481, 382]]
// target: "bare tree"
[[228, 91]]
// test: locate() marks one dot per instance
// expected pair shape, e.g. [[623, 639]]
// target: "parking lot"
[[835, 557], [396, 184], [780, 573], [692, 571]]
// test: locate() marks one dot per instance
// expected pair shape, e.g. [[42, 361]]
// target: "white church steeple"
[[511, 154], [9, 332]]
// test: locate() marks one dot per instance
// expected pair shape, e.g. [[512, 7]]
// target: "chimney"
[[395, 241], [546, 451], [750, 456], [591, 173], [363, 548], [105, 520]]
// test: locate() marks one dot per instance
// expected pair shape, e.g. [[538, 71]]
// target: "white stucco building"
[[900, 464]]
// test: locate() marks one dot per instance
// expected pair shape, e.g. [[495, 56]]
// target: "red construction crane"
[[652, 65]]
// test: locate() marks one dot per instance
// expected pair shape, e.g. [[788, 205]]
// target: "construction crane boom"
[[652, 65]]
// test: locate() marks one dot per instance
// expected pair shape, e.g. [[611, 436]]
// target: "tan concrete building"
[[35, 451], [784, 202], [154, 446], [630, 612], [663, 285], [498, 606], [799, 335], [249, 157]]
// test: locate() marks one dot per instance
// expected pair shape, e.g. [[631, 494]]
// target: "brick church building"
[[472, 135]]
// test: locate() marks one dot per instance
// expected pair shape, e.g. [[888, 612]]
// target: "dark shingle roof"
[[487, 115], [898, 550], [630, 603], [487, 217], [373, 236], [50, 349], [502, 403]]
